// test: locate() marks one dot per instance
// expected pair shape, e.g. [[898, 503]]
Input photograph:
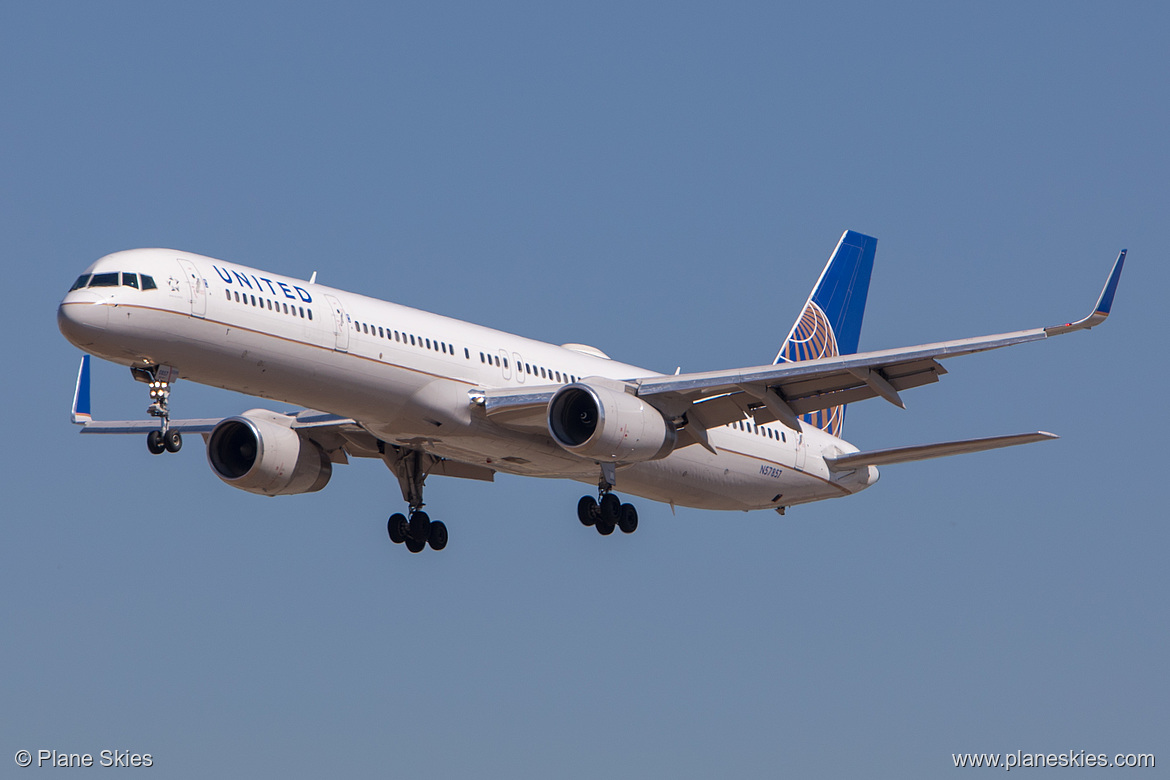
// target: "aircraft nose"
[[81, 321]]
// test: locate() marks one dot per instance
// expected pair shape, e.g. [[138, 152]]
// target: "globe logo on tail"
[[812, 337]]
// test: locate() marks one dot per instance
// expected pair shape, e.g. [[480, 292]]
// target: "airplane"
[[431, 395]]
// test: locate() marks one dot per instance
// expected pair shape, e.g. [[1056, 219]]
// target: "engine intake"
[[258, 452], [608, 424]]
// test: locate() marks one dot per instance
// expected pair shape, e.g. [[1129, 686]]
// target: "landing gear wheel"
[[587, 510], [628, 521], [420, 527], [414, 545], [611, 509], [604, 528], [397, 528], [437, 537], [172, 441], [154, 443]]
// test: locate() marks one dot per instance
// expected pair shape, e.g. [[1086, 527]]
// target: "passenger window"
[[237, 296], [505, 362], [310, 314], [379, 331], [130, 280], [286, 308], [302, 312], [105, 280], [82, 281], [467, 353], [228, 293], [148, 283]]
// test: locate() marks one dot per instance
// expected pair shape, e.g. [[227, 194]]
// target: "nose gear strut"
[[160, 378]]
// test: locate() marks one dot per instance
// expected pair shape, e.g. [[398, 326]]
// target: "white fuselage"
[[407, 377]]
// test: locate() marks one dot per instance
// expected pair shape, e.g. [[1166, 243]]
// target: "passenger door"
[[197, 288], [340, 331]]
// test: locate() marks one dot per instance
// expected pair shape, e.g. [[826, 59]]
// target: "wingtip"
[[1104, 302], [81, 412]]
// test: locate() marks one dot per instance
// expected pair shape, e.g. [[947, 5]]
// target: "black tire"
[[628, 521], [173, 441], [604, 528], [414, 545], [154, 443], [396, 527], [420, 526], [587, 510], [438, 535], [611, 510]]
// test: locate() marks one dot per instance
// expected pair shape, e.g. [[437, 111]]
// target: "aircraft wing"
[[787, 390], [340, 437]]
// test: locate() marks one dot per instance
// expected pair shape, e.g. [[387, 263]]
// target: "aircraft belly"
[[695, 478]]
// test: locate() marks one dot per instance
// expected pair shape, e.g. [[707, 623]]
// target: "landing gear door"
[[340, 328], [197, 287]]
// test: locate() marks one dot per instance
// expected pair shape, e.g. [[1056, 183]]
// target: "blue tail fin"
[[830, 323]]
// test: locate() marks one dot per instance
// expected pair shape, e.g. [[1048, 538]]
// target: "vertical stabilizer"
[[830, 323]]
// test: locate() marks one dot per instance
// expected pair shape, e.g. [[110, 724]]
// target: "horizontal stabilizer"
[[885, 457]]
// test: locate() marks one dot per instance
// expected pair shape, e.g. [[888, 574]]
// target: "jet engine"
[[606, 423], [258, 452]]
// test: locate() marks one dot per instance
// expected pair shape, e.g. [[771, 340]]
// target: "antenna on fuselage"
[[313, 278]]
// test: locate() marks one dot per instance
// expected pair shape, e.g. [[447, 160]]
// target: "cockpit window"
[[82, 281], [130, 280], [105, 280], [148, 283]]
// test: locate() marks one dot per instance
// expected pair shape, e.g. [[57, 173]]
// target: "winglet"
[[81, 409], [1104, 303]]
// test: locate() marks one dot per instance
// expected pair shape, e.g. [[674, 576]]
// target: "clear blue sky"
[[664, 181]]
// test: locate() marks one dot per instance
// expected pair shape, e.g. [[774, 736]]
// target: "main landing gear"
[[607, 511], [159, 378], [417, 530]]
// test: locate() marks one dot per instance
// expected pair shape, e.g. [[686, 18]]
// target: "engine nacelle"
[[608, 424], [258, 452]]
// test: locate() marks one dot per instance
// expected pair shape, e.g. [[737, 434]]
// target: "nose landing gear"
[[160, 378]]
